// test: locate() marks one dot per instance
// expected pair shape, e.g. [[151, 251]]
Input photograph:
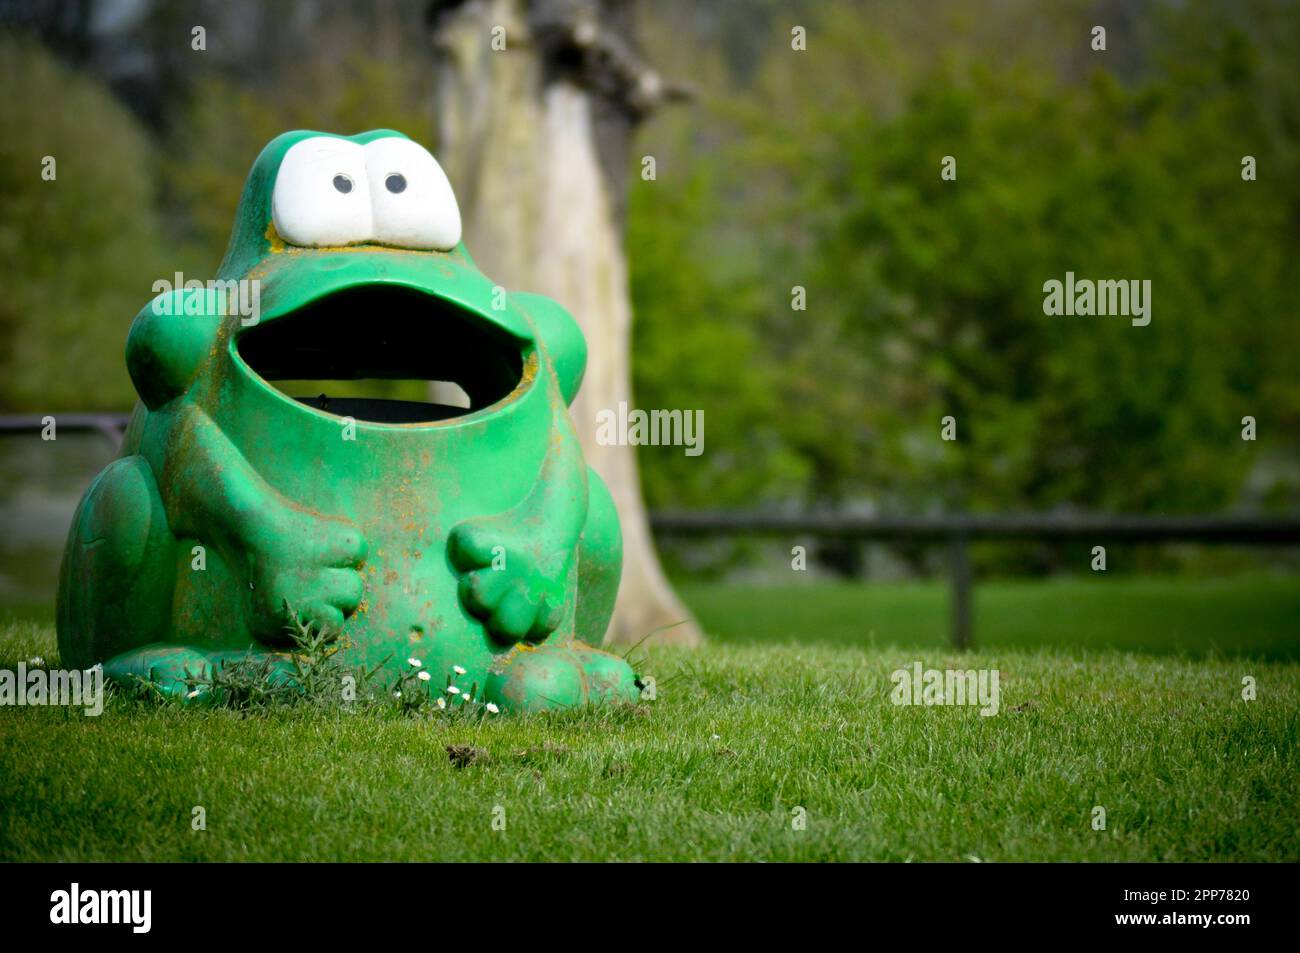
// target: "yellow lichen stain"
[[273, 240], [368, 248], [530, 372]]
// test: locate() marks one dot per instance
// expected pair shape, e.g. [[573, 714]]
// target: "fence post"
[[959, 566]]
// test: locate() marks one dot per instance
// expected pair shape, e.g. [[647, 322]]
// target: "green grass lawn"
[[743, 732], [1250, 615]]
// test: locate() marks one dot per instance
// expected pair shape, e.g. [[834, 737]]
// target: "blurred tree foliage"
[[80, 252], [142, 195], [817, 169], [924, 297]]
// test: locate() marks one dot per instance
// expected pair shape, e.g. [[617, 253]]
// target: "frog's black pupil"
[[396, 182], [343, 183]]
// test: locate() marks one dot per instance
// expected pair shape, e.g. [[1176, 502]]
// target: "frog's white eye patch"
[[414, 206], [322, 195]]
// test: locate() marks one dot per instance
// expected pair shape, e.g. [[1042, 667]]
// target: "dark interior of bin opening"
[[352, 352]]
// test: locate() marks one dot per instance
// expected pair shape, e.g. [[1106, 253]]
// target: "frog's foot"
[[307, 566], [517, 590], [186, 673], [560, 675]]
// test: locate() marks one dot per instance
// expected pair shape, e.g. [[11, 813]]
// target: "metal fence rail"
[[111, 426], [958, 530]]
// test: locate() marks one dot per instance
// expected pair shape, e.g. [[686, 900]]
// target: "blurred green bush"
[[817, 169], [924, 297]]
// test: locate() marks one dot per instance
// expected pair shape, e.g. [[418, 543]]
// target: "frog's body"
[[478, 540]]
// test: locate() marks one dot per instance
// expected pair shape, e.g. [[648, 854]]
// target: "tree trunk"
[[535, 140]]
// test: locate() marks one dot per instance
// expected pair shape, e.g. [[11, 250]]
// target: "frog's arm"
[[203, 479], [560, 338], [166, 347], [515, 566], [288, 554]]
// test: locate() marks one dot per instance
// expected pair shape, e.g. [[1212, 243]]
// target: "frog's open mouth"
[[374, 352]]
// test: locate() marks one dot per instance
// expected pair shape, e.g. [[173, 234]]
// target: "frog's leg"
[[600, 563], [117, 581], [569, 513], [115, 584], [566, 672]]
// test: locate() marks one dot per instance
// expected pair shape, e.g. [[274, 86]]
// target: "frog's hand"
[[187, 673], [515, 585]]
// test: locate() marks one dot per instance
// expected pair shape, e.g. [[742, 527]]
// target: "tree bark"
[[535, 140]]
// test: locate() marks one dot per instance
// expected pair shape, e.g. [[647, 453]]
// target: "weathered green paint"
[[388, 538]]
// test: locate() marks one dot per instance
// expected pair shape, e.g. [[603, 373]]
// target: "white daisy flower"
[[442, 703], [414, 662], [193, 694], [397, 694], [453, 690], [36, 660], [458, 670], [423, 676], [492, 708]]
